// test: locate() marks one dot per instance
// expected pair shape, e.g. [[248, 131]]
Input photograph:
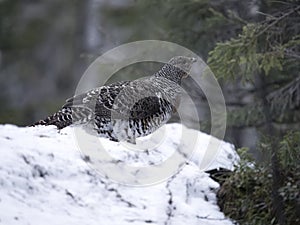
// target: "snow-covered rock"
[[45, 179]]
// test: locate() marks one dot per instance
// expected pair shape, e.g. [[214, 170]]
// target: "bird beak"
[[193, 61]]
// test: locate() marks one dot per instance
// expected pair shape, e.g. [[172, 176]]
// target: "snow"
[[46, 179]]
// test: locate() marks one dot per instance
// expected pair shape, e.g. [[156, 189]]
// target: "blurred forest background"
[[45, 46], [253, 47]]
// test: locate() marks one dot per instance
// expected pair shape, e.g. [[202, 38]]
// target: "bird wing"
[[98, 99], [122, 99]]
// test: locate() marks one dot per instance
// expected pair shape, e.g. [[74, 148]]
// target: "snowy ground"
[[45, 179]]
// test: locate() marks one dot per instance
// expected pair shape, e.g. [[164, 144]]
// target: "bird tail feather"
[[67, 116], [60, 119]]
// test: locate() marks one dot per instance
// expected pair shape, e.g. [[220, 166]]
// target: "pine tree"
[[267, 54]]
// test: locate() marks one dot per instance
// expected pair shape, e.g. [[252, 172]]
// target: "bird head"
[[182, 62]]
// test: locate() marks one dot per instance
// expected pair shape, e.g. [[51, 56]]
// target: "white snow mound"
[[45, 179]]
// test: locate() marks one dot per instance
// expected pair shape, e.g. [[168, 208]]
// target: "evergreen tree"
[[267, 54]]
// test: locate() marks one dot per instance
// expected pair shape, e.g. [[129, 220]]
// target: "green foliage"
[[245, 196], [267, 54], [270, 48], [243, 56], [228, 59], [284, 103], [290, 149], [261, 46]]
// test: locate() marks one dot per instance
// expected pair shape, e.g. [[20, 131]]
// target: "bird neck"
[[171, 72]]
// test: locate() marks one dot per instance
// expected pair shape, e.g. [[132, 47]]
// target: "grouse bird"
[[126, 110]]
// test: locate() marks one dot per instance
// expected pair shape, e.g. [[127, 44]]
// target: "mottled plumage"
[[125, 110]]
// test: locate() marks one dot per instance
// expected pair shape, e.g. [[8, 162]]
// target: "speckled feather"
[[126, 110]]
